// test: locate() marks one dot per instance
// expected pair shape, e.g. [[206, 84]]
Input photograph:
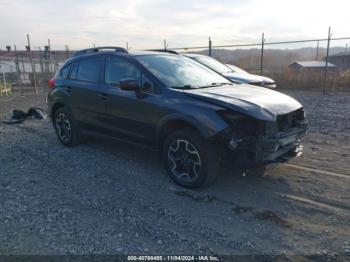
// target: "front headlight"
[[241, 125]]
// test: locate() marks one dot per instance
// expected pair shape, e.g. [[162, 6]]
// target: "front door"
[[133, 115]]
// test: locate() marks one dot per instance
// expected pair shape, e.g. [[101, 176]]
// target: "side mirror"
[[129, 84]]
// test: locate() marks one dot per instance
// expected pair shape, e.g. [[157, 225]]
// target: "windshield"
[[180, 72], [213, 64], [237, 69]]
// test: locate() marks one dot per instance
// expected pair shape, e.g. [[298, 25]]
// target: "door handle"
[[68, 89], [103, 96]]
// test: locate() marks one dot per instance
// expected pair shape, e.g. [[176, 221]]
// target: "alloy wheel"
[[184, 160], [64, 128]]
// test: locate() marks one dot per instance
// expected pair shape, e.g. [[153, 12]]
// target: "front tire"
[[190, 160], [66, 129]]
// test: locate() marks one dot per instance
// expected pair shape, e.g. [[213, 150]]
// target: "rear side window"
[[89, 69], [73, 72], [65, 71]]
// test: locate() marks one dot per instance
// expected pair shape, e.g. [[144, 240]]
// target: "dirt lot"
[[109, 198]]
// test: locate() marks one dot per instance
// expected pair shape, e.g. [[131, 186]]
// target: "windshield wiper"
[[195, 87], [216, 84], [183, 87]]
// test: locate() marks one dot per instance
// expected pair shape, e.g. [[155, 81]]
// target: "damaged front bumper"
[[254, 151], [270, 149]]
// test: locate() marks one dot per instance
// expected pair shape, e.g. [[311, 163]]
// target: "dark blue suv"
[[196, 118]]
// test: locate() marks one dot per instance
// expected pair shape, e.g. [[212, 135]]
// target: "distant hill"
[[59, 55]]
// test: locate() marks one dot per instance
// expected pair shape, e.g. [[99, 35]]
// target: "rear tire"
[[190, 160], [66, 128]]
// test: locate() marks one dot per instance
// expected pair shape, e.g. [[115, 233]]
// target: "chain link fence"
[[27, 72], [24, 76], [327, 68], [21, 75]]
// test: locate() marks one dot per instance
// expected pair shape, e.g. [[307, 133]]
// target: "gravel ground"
[[323, 115], [105, 197], [326, 113]]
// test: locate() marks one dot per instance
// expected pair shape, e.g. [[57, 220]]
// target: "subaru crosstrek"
[[195, 117]]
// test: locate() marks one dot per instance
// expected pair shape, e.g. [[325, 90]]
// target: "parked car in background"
[[196, 118], [248, 78], [237, 69], [235, 74]]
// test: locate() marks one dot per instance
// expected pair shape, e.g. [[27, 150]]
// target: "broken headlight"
[[241, 125]]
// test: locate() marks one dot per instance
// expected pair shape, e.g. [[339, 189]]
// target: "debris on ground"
[[18, 116]]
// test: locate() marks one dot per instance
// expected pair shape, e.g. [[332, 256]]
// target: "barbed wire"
[[265, 43]]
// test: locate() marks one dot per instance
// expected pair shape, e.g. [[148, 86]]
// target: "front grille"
[[290, 120]]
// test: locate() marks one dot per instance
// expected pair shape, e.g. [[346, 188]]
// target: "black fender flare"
[[206, 132], [59, 101]]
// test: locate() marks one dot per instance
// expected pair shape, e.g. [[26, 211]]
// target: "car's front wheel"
[[190, 160], [66, 129]]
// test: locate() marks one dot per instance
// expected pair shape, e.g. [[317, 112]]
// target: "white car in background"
[[244, 76], [233, 73]]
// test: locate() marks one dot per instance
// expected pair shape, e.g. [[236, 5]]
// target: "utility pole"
[[18, 71], [33, 65], [326, 66], [23, 67], [262, 54], [317, 49], [3, 76], [41, 60], [51, 69], [210, 47]]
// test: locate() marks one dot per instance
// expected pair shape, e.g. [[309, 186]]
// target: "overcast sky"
[[144, 24]]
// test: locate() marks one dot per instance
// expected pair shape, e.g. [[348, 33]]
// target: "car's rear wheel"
[[190, 160], [66, 129]]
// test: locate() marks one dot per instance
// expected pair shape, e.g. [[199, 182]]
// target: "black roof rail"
[[97, 49], [165, 51]]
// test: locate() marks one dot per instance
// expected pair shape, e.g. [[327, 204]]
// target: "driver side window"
[[118, 69]]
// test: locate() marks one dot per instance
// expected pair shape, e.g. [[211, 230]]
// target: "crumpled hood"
[[247, 78], [260, 103]]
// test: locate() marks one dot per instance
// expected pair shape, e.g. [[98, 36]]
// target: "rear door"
[[87, 102]]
